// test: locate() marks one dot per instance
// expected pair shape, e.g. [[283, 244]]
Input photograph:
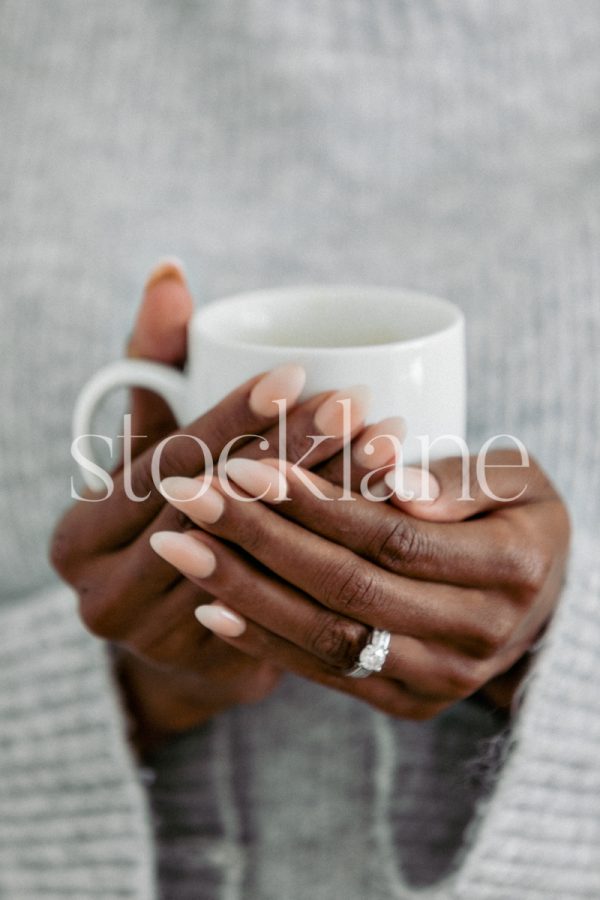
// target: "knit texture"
[[451, 148], [73, 818]]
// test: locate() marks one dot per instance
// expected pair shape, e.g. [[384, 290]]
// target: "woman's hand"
[[175, 672], [464, 587]]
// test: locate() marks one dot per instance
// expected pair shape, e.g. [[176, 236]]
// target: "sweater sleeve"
[[539, 833], [73, 813]]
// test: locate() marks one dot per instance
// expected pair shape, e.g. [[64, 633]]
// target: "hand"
[[175, 672], [464, 586]]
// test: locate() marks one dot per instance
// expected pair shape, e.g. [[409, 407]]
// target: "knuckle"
[[97, 616], [62, 551], [533, 573], [399, 542], [464, 677], [250, 534], [174, 456], [72, 543], [186, 453], [523, 566], [296, 445], [490, 635], [98, 607], [181, 454], [505, 562], [222, 424], [352, 588], [338, 641]]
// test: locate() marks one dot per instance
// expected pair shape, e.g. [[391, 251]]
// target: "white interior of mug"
[[326, 317]]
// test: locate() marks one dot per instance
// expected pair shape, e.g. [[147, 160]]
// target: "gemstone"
[[372, 658]]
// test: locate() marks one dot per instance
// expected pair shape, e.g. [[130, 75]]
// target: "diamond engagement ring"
[[372, 656]]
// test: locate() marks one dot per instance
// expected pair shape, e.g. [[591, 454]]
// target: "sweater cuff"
[[73, 813]]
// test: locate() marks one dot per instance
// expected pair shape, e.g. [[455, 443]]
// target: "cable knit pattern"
[[448, 147]]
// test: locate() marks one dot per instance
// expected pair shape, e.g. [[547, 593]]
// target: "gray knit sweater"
[[452, 147]]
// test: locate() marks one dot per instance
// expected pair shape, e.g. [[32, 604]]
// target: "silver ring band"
[[372, 656]]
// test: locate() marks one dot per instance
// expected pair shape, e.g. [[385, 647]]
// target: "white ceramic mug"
[[407, 346]]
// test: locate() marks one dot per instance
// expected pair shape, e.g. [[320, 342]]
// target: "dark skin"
[[175, 673], [464, 588]]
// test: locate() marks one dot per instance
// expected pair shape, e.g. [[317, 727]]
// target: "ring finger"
[[387, 694], [330, 643]]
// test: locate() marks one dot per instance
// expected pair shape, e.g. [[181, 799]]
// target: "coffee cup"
[[407, 346]]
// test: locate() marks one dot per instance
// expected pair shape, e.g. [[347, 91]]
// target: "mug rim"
[[382, 291]]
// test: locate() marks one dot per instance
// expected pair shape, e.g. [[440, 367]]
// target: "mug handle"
[[164, 380]]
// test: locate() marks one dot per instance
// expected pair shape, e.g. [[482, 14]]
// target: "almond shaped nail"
[[167, 267], [263, 482], [413, 483], [380, 443], [194, 497], [283, 383], [221, 620], [337, 418], [184, 552], [380, 490]]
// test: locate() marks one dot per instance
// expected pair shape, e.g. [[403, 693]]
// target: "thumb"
[[160, 335], [457, 488]]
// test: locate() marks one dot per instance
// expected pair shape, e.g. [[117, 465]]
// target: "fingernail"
[[204, 502], [380, 490], [184, 552], [330, 417], [220, 620], [167, 267], [412, 483], [261, 481], [283, 383], [379, 444]]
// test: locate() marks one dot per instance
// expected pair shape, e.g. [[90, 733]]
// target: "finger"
[[163, 629], [434, 670], [455, 489], [309, 435], [242, 417], [135, 499], [301, 421], [225, 572], [331, 574], [114, 608], [478, 554], [160, 335], [512, 551], [213, 669], [428, 669], [124, 520], [385, 694], [372, 453]]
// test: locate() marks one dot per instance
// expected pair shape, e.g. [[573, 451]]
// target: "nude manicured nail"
[[259, 480], [220, 620], [283, 383], [194, 496], [184, 552], [412, 483], [167, 267], [380, 490], [331, 416], [378, 445]]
